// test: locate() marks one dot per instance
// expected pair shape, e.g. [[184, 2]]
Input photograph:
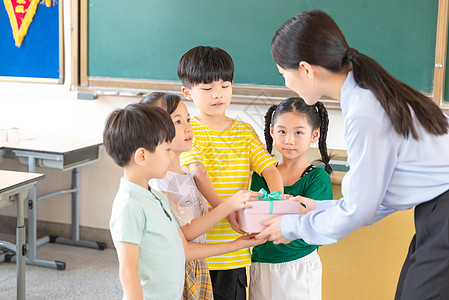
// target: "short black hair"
[[167, 101], [205, 64], [137, 125]]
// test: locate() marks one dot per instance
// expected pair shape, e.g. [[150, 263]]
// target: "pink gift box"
[[250, 219]]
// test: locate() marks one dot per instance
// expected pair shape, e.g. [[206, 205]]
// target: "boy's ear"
[[186, 92], [315, 135], [139, 156]]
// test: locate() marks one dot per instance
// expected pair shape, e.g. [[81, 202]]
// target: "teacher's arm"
[[372, 158]]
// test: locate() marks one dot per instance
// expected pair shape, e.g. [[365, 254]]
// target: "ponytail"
[[397, 98], [266, 132]]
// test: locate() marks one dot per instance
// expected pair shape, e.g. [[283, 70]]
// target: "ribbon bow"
[[274, 196]]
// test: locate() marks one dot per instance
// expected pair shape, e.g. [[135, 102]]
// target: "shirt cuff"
[[288, 226]]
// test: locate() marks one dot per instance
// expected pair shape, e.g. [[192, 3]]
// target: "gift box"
[[251, 219]]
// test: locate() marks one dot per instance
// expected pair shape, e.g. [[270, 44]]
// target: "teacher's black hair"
[[314, 37]]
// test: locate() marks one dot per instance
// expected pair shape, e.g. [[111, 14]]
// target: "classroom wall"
[[364, 265]]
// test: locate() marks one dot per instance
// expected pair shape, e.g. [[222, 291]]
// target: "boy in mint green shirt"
[[145, 234], [151, 247]]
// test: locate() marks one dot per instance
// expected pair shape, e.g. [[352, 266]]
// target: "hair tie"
[[350, 53]]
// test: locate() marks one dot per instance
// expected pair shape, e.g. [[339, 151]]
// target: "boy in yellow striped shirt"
[[224, 153]]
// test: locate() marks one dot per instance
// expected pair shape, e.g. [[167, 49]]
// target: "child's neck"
[[292, 169], [136, 177], [175, 165], [219, 123]]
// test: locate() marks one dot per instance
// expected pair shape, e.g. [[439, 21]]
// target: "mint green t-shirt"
[[140, 218], [316, 184]]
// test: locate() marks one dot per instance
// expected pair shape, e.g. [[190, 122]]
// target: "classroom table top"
[[12, 179], [51, 144]]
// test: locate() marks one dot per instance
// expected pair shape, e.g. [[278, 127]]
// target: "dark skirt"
[[425, 273]]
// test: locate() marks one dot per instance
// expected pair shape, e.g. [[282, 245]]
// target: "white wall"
[[55, 110], [66, 116]]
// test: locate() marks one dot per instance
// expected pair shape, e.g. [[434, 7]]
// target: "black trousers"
[[425, 273], [229, 284]]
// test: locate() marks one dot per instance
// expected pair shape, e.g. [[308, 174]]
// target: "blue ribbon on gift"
[[274, 196]]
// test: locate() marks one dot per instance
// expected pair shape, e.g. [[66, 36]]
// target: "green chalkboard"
[[144, 39]]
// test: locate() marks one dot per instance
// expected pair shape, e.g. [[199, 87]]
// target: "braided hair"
[[316, 115]]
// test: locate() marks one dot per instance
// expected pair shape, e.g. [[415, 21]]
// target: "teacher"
[[398, 152]]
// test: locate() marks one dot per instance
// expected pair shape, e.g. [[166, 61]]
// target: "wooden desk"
[[62, 153], [14, 187]]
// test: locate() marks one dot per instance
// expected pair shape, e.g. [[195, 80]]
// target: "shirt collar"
[[131, 186], [346, 92]]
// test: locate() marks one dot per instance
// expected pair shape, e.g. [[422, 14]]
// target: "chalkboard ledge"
[[247, 94], [242, 93]]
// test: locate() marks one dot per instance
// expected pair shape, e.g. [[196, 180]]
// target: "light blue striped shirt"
[[387, 172]]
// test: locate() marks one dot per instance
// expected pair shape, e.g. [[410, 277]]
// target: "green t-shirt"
[[316, 184]]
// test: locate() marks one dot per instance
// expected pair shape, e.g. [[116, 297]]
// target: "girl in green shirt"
[[292, 271]]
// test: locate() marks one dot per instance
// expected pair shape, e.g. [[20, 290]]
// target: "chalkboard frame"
[[439, 82], [60, 79]]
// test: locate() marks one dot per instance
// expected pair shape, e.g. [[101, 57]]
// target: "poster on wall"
[[31, 41]]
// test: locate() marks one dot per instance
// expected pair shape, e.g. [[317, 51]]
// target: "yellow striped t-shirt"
[[229, 156]]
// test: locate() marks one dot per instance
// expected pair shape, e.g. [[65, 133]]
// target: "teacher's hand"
[[273, 232], [310, 204]]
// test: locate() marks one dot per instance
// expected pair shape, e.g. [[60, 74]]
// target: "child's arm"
[[204, 183], [129, 278], [273, 179], [264, 165], [196, 250], [206, 188], [205, 223]]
